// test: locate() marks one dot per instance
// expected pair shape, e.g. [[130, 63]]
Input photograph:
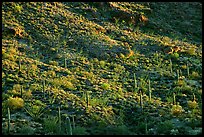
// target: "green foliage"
[[26, 130], [102, 63], [165, 127], [192, 104], [68, 126], [35, 110], [105, 86], [119, 130], [191, 51], [79, 131], [18, 8], [54, 63], [50, 124], [61, 50]]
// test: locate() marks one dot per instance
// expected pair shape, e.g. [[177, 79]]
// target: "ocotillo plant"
[[9, 120], [69, 130]]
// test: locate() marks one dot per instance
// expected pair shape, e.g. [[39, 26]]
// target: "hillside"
[[101, 68]]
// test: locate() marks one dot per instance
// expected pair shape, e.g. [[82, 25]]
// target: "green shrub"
[[54, 63], [51, 125], [105, 86], [26, 130], [79, 131], [165, 127]]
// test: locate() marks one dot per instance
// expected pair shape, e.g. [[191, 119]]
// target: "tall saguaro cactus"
[[19, 64], [69, 130], [150, 92], [9, 120], [135, 82], [65, 62], [43, 88], [141, 101]]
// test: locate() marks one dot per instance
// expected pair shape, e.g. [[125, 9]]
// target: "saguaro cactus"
[[141, 101], [44, 88], [59, 118], [135, 81], [187, 69], [150, 92], [69, 130], [87, 99], [21, 91], [171, 67], [19, 64], [65, 62], [9, 120], [174, 99]]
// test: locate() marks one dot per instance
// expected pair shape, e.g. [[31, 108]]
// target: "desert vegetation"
[[101, 68]]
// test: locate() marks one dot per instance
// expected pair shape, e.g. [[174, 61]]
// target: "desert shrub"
[[26, 130], [192, 104], [176, 110], [79, 131], [105, 86], [8, 56], [15, 103], [50, 124], [191, 51], [165, 127], [54, 63]]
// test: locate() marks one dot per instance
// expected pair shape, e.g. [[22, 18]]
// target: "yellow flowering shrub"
[[176, 109], [15, 103], [192, 104]]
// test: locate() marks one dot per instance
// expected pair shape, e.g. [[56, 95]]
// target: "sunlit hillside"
[[102, 68]]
